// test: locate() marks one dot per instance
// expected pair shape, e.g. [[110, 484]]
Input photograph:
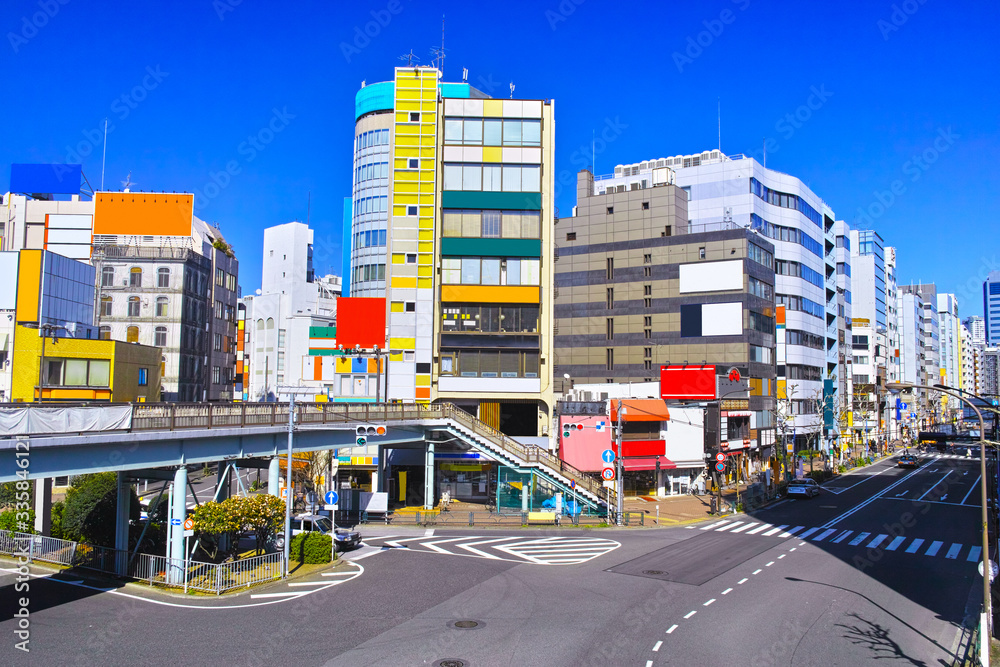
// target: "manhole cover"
[[653, 572], [466, 624], [450, 662]]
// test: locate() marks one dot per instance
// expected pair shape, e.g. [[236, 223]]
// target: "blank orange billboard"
[[143, 213]]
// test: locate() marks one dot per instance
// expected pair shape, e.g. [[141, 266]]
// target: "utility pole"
[[620, 465], [289, 486]]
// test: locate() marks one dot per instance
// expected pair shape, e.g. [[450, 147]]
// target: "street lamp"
[[899, 386], [45, 328]]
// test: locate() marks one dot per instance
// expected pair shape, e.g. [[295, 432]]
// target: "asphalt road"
[[744, 590]]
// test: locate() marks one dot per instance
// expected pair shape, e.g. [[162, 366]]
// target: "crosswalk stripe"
[[742, 528], [914, 545], [825, 534], [715, 525], [775, 530], [895, 543], [840, 538], [877, 541], [470, 547], [791, 531], [732, 525], [934, 548], [859, 539], [808, 533], [763, 526], [953, 551], [974, 554]]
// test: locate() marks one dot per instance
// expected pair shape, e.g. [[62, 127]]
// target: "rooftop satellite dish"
[[258, 292]]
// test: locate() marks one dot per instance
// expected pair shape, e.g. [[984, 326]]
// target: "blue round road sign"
[[331, 498], [608, 456], [720, 467]]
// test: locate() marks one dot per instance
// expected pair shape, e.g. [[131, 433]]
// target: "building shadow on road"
[[47, 591]]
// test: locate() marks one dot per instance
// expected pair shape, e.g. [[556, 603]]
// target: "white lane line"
[[289, 594], [671, 629], [732, 525], [978, 477], [793, 548], [714, 525], [756, 571], [895, 543], [742, 528], [914, 545], [769, 564], [727, 591], [429, 532], [808, 533], [877, 541], [314, 583], [709, 602], [953, 551], [763, 526], [874, 497], [743, 580], [775, 530], [399, 543], [782, 556], [935, 484], [657, 646], [825, 534], [840, 538], [372, 553], [859, 539], [434, 547], [649, 663], [690, 614], [934, 548], [974, 554]]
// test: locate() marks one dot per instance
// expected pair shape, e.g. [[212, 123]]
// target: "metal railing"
[[37, 547]]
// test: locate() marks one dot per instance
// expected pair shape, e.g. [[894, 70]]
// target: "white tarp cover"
[[30, 421]]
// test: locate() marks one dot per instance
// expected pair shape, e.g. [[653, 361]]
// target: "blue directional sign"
[[902, 406], [175, 522], [331, 498], [608, 456]]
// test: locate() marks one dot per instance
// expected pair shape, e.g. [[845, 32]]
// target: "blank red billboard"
[[361, 321], [641, 447], [688, 382]]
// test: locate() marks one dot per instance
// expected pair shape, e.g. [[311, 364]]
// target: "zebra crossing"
[[860, 539], [948, 456], [556, 550]]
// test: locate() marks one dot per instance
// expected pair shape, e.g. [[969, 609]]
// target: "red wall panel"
[[695, 382], [361, 321]]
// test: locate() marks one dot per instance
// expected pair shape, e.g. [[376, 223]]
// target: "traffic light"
[[569, 428], [365, 431]]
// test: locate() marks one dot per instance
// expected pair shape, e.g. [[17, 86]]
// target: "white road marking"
[[793, 548], [974, 554], [935, 484], [429, 532], [775, 530], [732, 525], [808, 533], [714, 525], [978, 477], [311, 583], [337, 574], [743, 580], [763, 526], [742, 528], [791, 531], [657, 646], [433, 545], [371, 553], [914, 545], [840, 538], [782, 556], [859, 539], [825, 534], [756, 571], [399, 543], [769, 564], [709, 602], [953, 551], [671, 629], [649, 663], [727, 591], [873, 498], [895, 543], [287, 594], [484, 554], [877, 541], [933, 548], [690, 614]]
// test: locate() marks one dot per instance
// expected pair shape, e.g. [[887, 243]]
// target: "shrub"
[[58, 511], [89, 514], [841, 468], [311, 548], [8, 521]]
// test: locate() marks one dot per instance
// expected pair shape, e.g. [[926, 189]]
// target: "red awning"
[[648, 463], [641, 410]]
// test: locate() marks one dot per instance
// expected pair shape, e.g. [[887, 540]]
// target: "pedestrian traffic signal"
[[369, 430]]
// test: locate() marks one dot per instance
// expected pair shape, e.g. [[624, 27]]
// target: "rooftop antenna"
[[438, 53], [127, 183], [511, 90], [104, 155], [465, 74], [409, 58]]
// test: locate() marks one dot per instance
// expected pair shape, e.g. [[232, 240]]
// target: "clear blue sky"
[[200, 77]]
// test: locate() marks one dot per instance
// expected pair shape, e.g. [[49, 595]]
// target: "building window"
[[216, 375], [218, 310], [610, 268], [143, 377], [281, 339], [647, 302], [410, 306], [161, 306], [647, 321], [611, 210], [701, 252], [217, 342], [647, 353], [133, 306], [414, 163], [647, 290], [411, 258], [105, 333], [571, 236], [411, 210], [220, 277], [107, 276], [160, 337], [647, 258], [106, 306], [135, 277], [647, 333], [77, 372], [414, 116], [645, 206], [163, 277], [132, 335], [647, 364], [611, 298], [610, 333], [609, 360], [647, 272]]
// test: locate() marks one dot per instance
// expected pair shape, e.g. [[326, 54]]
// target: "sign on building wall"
[[361, 321], [688, 382]]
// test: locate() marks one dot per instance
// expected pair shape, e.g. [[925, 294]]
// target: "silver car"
[[803, 487], [304, 523]]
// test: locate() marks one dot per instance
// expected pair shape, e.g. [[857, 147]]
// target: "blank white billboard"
[[722, 319], [711, 276]]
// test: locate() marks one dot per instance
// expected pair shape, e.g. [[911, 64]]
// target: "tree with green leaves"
[[264, 514], [219, 523], [91, 504]]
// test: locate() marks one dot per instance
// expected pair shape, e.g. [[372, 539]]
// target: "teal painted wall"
[[491, 247], [511, 201]]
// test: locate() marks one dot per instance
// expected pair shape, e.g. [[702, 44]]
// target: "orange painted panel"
[[780, 318], [146, 213], [317, 368], [423, 392], [29, 281], [490, 294]]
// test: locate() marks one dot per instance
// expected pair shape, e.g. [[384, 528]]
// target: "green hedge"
[[311, 548]]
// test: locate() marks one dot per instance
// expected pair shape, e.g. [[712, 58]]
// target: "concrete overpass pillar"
[[429, 477], [43, 506], [122, 511], [178, 512], [273, 472], [380, 484]]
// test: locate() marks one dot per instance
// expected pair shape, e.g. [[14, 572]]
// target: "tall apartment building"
[[801, 226], [636, 288], [164, 277], [991, 307], [950, 341], [977, 329], [968, 352], [892, 318], [452, 214]]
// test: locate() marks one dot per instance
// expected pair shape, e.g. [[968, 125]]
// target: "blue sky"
[[888, 110]]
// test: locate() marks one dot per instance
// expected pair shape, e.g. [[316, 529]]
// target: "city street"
[[881, 564]]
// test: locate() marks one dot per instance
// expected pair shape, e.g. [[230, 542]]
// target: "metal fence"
[[461, 518], [155, 570]]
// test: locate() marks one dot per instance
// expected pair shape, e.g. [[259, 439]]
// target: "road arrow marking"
[[943, 497], [902, 493]]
